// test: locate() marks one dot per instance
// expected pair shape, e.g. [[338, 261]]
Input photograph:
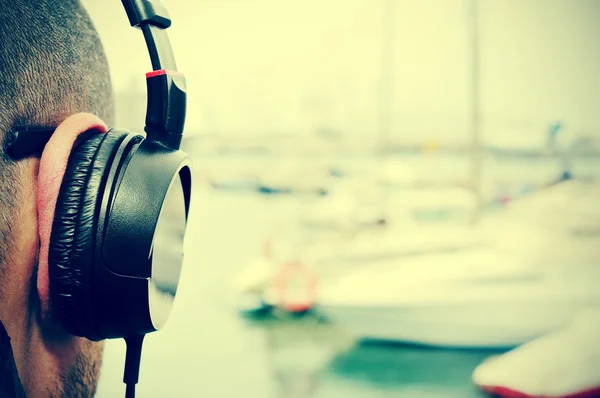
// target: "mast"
[[475, 125], [386, 85]]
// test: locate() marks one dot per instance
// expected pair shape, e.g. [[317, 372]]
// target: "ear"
[[51, 171]]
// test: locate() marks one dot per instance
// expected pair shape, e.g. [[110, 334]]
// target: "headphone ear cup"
[[71, 249]]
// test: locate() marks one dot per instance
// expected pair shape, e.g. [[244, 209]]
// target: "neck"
[[10, 384]]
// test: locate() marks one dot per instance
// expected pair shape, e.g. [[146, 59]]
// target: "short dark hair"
[[52, 64]]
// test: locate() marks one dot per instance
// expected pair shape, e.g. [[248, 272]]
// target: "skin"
[[51, 363]]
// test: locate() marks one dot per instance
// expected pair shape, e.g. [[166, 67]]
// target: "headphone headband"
[[166, 87], [142, 12], [166, 108]]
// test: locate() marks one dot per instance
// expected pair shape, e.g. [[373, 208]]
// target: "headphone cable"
[[133, 358], [130, 391]]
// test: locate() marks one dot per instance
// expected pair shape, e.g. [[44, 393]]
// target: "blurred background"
[[387, 192]]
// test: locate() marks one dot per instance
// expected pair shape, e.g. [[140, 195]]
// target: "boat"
[[293, 177], [233, 182], [561, 364], [436, 204], [476, 298], [556, 225], [350, 203], [535, 268]]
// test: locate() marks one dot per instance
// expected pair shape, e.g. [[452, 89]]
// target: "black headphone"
[[116, 247]]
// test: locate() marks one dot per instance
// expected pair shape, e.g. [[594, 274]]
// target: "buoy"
[[296, 287]]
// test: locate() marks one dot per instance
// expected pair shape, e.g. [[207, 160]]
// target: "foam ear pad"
[[71, 251]]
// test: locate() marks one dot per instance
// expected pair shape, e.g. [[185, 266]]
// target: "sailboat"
[[536, 267]]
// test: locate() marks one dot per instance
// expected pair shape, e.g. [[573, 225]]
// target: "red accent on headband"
[[163, 72]]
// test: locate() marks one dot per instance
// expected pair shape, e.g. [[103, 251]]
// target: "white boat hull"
[[476, 298], [478, 325]]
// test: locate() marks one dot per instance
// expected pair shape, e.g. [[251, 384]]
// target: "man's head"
[[52, 66]]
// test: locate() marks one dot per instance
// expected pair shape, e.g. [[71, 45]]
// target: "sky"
[[290, 66]]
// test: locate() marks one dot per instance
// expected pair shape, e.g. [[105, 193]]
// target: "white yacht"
[[538, 265]]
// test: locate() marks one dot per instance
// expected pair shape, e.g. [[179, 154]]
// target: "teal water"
[[208, 350]]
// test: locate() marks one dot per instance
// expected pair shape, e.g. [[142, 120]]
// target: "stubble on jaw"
[[81, 379]]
